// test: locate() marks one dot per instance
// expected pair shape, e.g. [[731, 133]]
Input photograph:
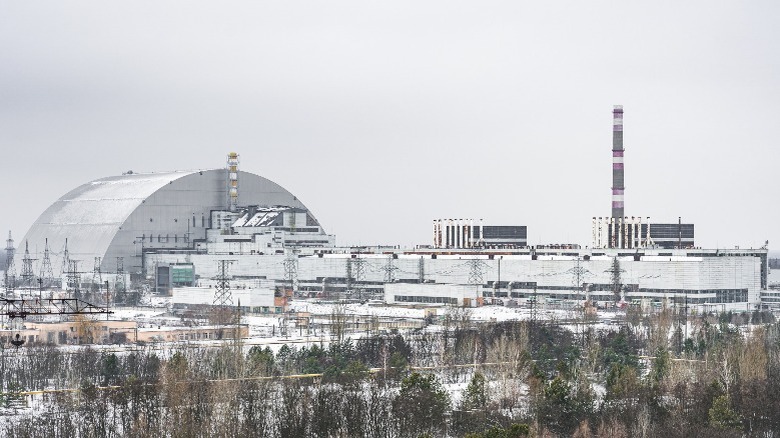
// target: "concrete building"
[[259, 296], [707, 279], [462, 295], [115, 332]]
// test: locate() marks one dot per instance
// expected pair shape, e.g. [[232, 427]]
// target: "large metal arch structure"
[[121, 216]]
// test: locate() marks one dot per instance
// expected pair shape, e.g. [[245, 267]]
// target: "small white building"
[[467, 295], [254, 299]]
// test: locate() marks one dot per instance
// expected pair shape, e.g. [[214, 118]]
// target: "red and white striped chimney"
[[618, 182]]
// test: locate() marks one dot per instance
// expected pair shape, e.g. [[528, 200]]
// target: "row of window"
[[691, 296], [431, 300]]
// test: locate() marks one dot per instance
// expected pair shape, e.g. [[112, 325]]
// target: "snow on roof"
[[264, 217], [91, 214], [108, 200]]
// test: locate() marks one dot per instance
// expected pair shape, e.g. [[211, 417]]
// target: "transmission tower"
[[47, 273], [119, 280], [65, 258], [349, 280], [358, 271], [476, 270], [74, 278], [97, 279], [222, 295], [291, 271], [10, 271], [615, 278], [28, 276], [577, 274], [390, 269], [355, 269]]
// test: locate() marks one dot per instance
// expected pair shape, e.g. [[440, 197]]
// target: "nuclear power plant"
[[178, 231]]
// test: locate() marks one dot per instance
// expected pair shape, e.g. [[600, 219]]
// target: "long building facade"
[[703, 279]]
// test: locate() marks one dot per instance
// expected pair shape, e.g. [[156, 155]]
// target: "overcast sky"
[[382, 116]]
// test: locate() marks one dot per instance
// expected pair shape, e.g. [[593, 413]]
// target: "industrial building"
[[462, 295], [704, 279], [258, 296], [180, 227], [111, 222]]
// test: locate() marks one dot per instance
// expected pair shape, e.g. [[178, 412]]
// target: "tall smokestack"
[[618, 186]]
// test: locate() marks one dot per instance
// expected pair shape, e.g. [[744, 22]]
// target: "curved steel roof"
[[108, 217]]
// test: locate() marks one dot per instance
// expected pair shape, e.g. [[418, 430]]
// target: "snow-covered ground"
[[484, 313]]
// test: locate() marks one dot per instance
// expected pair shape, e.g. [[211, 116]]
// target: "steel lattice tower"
[[577, 273], [348, 277], [354, 276], [291, 271], [28, 276], [47, 273], [119, 280], [74, 279], [65, 258], [10, 271], [476, 267], [97, 279], [359, 268], [222, 295], [390, 269]]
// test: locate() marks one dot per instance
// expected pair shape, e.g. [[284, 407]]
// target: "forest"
[[715, 375]]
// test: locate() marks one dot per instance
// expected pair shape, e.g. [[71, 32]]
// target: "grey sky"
[[382, 116]]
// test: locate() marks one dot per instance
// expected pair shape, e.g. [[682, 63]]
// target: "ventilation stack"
[[618, 181], [232, 166]]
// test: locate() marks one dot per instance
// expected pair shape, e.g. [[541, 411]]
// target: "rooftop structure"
[[468, 233]]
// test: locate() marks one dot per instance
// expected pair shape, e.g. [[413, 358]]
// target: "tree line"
[[651, 376]]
